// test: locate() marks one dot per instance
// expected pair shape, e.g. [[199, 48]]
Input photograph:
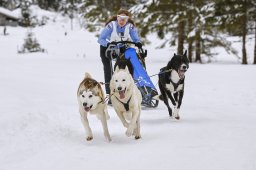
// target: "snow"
[[40, 124], [8, 13]]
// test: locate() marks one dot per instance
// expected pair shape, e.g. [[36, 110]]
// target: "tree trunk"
[[244, 57], [198, 46], [190, 49], [190, 39], [254, 62], [244, 32], [181, 37]]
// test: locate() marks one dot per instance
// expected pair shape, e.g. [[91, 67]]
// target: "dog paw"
[[108, 138], [129, 131], [177, 117], [89, 138], [137, 137], [176, 114], [170, 112]]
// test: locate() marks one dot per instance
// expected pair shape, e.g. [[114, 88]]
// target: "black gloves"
[[138, 44]]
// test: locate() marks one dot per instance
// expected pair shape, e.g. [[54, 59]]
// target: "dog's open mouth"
[[87, 109], [122, 93], [182, 73]]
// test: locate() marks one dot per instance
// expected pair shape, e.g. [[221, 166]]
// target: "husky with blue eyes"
[[91, 100]]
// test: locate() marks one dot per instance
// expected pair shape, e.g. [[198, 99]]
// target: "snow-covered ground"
[[40, 124]]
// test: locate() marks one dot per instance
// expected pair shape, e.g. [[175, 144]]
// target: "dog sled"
[[140, 76]]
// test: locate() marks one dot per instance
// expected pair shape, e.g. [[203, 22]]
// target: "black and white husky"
[[171, 82]]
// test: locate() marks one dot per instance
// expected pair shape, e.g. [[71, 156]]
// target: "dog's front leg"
[[86, 126], [177, 109], [103, 120], [132, 124], [169, 94], [164, 97], [137, 129], [176, 106], [121, 117]]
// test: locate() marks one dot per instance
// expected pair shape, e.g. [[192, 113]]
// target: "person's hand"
[[121, 47], [138, 44]]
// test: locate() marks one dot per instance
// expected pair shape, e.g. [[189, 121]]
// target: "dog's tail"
[[158, 97], [87, 75]]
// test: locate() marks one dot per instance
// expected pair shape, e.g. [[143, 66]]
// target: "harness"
[[126, 105], [175, 85]]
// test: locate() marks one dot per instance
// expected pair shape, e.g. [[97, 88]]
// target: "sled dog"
[[122, 63], [126, 100], [171, 82], [91, 100]]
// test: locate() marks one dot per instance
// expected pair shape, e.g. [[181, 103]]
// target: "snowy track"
[[40, 126]]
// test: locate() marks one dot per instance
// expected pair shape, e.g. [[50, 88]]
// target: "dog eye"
[[123, 79], [83, 96], [90, 96], [116, 81]]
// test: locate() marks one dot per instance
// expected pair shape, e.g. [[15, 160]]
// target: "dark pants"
[[107, 68]]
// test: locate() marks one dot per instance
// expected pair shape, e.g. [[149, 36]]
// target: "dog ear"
[[117, 69], [87, 75], [126, 69], [185, 53], [100, 92], [80, 92]]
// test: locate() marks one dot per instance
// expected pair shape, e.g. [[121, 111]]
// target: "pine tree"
[[190, 39], [31, 44], [254, 61], [188, 22], [235, 19], [25, 12], [4, 3], [252, 19], [96, 13]]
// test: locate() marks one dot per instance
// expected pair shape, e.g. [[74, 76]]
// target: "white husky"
[[90, 98], [126, 99]]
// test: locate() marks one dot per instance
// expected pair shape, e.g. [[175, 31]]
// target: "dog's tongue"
[[87, 109], [121, 93], [181, 74]]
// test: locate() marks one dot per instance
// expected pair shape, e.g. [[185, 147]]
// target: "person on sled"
[[118, 28]]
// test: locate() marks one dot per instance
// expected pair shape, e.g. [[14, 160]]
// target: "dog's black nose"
[[84, 104], [119, 88], [184, 67]]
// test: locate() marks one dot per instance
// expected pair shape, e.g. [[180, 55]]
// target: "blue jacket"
[[104, 37]]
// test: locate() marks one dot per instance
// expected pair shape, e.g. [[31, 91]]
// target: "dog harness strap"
[[102, 101], [175, 85], [126, 105]]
